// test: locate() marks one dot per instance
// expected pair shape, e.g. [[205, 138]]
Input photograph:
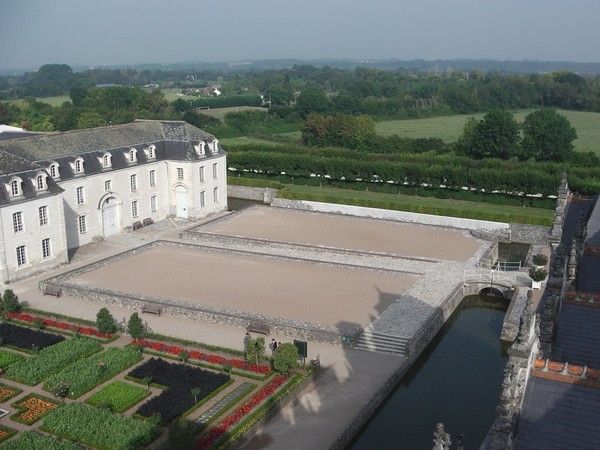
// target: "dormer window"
[[54, 173], [78, 166], [132, 156], [15, 187], [215, 148], [200, 148], [106, 160], [40, 182], [150, 152]]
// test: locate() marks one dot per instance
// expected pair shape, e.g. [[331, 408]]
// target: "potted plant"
[[540, 260], [538, 275]]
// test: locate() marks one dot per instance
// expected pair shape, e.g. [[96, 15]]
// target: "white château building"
[[59, 191]]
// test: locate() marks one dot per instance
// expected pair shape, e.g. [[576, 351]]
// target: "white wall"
[[31, 237]]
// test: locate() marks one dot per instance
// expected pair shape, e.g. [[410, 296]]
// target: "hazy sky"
[[35, 32]]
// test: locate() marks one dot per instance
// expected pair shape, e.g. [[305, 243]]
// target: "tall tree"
[[494, 136], [547, 136]]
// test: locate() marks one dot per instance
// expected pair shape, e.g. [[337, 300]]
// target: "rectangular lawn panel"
[[119, 395], [29, 440], [177, 399], [26, 338], [99, 428], [88, 373], [51, 360], [8, 358]]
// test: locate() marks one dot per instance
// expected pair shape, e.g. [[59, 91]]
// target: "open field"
[[54, 101], [219, 113], [425, 205], [346, 232], [449, 128], [283, 288]]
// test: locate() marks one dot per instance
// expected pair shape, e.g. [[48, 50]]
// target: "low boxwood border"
[[60, 331], [21, 409], [227, 407], [15, 389], [11, 432], [247, 423]]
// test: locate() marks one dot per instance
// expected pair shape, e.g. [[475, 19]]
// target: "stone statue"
[[441, 439]]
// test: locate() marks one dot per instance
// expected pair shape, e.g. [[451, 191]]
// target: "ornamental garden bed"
[[8, 358], [32, 408], [27, 339], [7, 392], [61, 326], [6, 433], [29, 440], [51, 360], [99, 428], [87, 373], [120, 396], [211, 360], [177, 399]]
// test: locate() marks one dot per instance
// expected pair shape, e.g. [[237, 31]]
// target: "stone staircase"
[[382, 343]]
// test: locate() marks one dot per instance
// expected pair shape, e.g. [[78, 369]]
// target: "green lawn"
[[219, 113], [425, 205], [246, 140], [120, 395], [449, 128]]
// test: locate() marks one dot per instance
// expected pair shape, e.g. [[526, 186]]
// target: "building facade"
[[59, 191]]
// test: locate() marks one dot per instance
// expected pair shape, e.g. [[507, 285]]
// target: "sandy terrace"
[[330, 230], [283, 288]]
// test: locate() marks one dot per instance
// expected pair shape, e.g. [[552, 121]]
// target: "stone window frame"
[[82, 224], [202, 199], [133, 184], [80, 195], [135, 211], [43, 216], [180, 173], [46, 248], [18, 222], [153, 204], [152, 177], [21, 251]]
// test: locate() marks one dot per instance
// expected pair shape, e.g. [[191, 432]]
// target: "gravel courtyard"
[[276, 287], [347, 232]]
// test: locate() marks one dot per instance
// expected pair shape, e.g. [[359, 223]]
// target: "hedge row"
[[226, 101], [447, 169]]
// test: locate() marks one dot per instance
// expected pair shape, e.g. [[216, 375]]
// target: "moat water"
[[455, 381]]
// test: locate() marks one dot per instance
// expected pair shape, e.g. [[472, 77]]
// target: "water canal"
[[455, 381]]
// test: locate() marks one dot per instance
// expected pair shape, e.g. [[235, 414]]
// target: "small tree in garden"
[[286, 358], [255, 350], [135, 326], [184, 355], [147, 381], [195, 392], [182, 434], [38, 323], [61, 390], [537, 274], [105, 322], [10, 301]]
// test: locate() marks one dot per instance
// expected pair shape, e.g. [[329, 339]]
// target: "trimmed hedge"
[[26, 338], [99, 428], [88, 373], [51, 360]]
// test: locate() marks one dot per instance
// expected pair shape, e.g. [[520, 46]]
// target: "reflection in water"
[[455, 381]]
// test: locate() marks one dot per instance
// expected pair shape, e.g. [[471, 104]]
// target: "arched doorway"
[[111, 217], [181, 201]]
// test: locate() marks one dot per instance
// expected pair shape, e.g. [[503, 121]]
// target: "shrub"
[[10, 301], [286, 358], [540, 259], [105, 322], [99, 428], [88, 373], [182, 434], [255, 350], [184, 355], [51, 360], [61, 389], [135, 326], [537, 274]]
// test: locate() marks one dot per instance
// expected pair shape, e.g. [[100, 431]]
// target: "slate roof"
[[592, 233], [49, 146], [173, 140], [6, 135], [559, 415], [578, 336]]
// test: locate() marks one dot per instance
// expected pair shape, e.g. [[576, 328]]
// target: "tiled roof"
[[559, 415]]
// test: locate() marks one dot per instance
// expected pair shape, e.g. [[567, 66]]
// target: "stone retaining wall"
[[265, 195], [399, 216]]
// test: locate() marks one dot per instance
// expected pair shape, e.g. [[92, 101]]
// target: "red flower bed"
[[88, 331], [210, 358], [236, 416]]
